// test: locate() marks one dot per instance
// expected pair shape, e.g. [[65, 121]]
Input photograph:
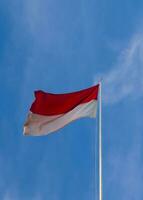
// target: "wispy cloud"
[[125, 78]]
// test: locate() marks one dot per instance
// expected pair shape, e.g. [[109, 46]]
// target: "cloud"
[[125, 79]]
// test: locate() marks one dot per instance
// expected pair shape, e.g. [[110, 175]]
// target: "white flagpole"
[[100, 142]]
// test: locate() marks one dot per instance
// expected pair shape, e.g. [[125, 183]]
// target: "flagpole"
[[100, 141]]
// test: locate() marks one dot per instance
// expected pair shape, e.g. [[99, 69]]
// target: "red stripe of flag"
[[55, 104]]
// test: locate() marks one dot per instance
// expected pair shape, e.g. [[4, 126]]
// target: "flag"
[[50, 112]]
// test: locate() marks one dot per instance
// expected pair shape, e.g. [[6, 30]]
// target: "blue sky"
[[63, 46]]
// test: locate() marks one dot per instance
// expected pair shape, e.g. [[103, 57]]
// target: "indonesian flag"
[[50, 112]]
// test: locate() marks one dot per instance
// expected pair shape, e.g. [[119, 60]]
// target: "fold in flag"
[[50, 112]]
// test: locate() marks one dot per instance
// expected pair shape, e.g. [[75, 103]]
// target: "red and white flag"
[[50, 112]]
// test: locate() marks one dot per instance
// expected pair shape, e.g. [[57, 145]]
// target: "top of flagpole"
[[99, 81]]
